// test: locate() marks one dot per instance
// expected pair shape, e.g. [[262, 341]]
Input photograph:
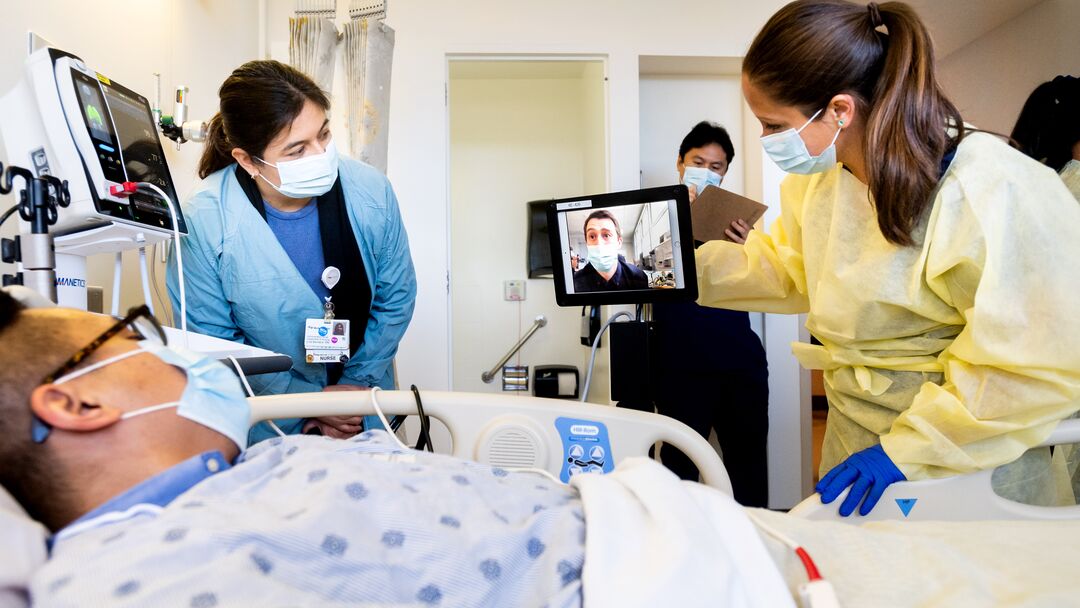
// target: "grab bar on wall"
[[489, 375]]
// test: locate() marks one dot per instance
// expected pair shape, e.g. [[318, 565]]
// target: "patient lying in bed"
[[162, 510], [317, 521]]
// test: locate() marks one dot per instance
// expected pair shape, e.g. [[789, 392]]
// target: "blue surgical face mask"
[[701, 177], [212, 397], [306, 177], [788, 150], [603, 257]]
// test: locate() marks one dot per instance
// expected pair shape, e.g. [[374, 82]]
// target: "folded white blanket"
[[654, 540]]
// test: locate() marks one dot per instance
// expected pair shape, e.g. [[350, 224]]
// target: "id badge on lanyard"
[[326, 340]]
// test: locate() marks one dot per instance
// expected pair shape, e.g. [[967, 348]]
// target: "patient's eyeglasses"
[[139, 320]]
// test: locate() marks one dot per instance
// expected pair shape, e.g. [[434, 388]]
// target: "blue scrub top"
[[242, 286]]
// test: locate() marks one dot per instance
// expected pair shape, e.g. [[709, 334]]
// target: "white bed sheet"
[[896, 563]]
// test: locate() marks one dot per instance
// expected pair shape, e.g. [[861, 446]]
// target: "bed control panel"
[[586, 447]]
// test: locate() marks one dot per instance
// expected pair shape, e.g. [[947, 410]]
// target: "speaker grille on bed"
[[512, 447]]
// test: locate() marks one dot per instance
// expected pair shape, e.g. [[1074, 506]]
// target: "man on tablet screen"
[[607, 269]]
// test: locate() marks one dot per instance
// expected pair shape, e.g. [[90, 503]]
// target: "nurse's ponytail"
[[259, 100], [217, 153], [812, 50]]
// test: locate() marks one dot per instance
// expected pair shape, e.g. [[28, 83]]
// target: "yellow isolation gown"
[[956, 354]]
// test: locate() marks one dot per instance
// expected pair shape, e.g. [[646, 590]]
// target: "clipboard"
[[715, 208]]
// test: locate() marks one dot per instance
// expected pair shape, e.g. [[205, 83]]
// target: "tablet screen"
[[623, 248]]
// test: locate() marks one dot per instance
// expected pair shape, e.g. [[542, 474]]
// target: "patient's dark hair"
[[258, 100], [707, 133], [29, 349], [9, 309]]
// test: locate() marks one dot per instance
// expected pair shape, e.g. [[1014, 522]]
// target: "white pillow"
[[23, 549], [22, 552]]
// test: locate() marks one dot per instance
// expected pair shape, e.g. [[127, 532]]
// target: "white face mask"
[[603, 257], [212, 396], [306, 177], [788, 150], [701, 177]]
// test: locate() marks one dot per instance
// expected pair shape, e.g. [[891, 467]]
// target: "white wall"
[[517, 133], [990, 78], [166, 36]]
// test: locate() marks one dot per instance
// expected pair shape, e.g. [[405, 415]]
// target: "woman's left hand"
[[738, 231]]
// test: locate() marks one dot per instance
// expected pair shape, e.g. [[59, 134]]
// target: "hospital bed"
[[524, 432], [908, 561], [518, 432], [961, 498], [937, 558]]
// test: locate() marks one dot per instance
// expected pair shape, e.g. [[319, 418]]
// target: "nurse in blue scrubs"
[[279, 215]]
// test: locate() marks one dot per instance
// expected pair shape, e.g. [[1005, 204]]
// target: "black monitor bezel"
[[154, 209], [681, 196]]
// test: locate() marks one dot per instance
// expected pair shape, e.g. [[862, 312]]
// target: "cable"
[[145, 274], [808, 563], [251, 393], [118, 270], [382, 418], [179, 255], [595, 346], [243, 378], [425, 428], [166, 310], [8, 213]]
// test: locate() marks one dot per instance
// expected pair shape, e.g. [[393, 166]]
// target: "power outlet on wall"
[[514, 291]]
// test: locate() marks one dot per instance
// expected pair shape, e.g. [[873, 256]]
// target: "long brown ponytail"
[[258, 100], [812, 50]]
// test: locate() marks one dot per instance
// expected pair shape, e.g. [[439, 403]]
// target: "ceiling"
[[956, 23]]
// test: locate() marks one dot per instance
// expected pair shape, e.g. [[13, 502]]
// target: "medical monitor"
[[64, 119], [631, 247]]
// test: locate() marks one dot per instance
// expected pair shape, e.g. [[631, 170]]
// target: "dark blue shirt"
[[696, 338], [298, 233], [627, 276]]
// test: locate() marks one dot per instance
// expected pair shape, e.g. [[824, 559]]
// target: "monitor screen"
[[144, 160], [143, 157], [623, 248], [94, 110]]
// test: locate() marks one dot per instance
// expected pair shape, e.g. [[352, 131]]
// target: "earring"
[[841, 124]]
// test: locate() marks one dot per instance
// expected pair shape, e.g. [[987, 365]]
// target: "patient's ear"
[[60, 406]]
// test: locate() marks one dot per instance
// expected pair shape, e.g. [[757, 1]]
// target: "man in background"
[[711, 369]]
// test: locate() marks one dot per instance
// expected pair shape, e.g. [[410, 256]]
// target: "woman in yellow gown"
[[938, 266]]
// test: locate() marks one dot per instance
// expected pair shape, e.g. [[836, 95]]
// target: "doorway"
[[521, 129]]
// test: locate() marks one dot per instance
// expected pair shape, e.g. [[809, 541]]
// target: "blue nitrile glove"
[[868, 473]]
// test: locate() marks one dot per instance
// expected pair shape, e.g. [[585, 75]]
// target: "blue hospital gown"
[[313, 521]]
